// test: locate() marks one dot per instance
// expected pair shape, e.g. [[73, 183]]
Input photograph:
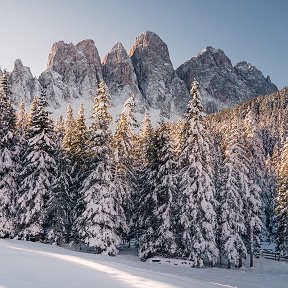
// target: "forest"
[[208, 188]]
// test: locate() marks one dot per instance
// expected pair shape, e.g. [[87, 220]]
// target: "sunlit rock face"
[[222, 84], [120, 77], [157, 80], [73, 71]]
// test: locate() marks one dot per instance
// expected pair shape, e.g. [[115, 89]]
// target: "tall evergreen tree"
[[233, 190], [59, 205], [103, 217], [8, 163], [196, 187], [38, 173], [257, 184], [282, 202], [125, 157], [158, 205]]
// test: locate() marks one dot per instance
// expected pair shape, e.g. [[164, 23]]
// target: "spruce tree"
[[103, 217], [233, 191], [162, 194], [8, 161], [125, 157], [257, 184], [196, 187], [38, 172], [59, 205], [282, 202]]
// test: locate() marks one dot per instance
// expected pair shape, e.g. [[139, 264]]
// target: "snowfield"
[[35, 265]]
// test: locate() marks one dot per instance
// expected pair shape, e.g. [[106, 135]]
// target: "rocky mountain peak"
[[120, 77], [152, 46], [88, 48], [157, 80], [213, 57], [23, 84], [73, 71], [223, 85], [116, 55]]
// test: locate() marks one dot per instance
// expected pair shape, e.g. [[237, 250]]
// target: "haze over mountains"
[[74, 72]]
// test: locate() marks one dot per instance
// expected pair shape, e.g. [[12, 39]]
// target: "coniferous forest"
[[207, 188]]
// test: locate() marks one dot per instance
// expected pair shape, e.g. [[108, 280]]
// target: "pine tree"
[[272, 188], [125, 157], [196, 188], [257, 183], [103, 217], [68, 130], [76, 165], [146, 225], [165, 192], [59, 205], [38, 173], [8, 163], [282, 202], [233, 190]]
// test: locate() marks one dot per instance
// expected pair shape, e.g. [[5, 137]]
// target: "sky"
[[251, 30]]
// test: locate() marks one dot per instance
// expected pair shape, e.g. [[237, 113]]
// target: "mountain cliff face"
[[74, 72], [222, 84], [120, 77], [157, 80], [24, 85]]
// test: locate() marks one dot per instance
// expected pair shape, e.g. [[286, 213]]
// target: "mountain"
[[74, 72], [24, 85], [157, 80], [222, 84], [120, 77]]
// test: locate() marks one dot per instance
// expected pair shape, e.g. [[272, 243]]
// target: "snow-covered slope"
[[29, 265]]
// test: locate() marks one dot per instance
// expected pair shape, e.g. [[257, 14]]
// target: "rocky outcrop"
[[72, 72], [22, 83], [120, 77], [223, 85], [157, 80]]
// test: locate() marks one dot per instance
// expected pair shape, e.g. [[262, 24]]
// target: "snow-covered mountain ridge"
[[74, 72]]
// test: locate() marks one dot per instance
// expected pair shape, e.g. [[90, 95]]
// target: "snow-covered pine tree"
[[165, 192], [76, 158], [103, 216], [142, 148], [38, 172], [272, 188], [69, 127], [125, 156], [8, 163], [145, 139], [59, 205], [146, 202], [257, 184], [196, 187], [282, 202], [233, 192]]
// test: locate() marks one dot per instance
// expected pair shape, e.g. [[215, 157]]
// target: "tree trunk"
[[229, 264], [251, 246], [240, 262]]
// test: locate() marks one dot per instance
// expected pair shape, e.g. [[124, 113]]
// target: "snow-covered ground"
[[35, 265]]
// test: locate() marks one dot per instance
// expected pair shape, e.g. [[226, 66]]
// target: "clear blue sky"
[[251, 30]]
